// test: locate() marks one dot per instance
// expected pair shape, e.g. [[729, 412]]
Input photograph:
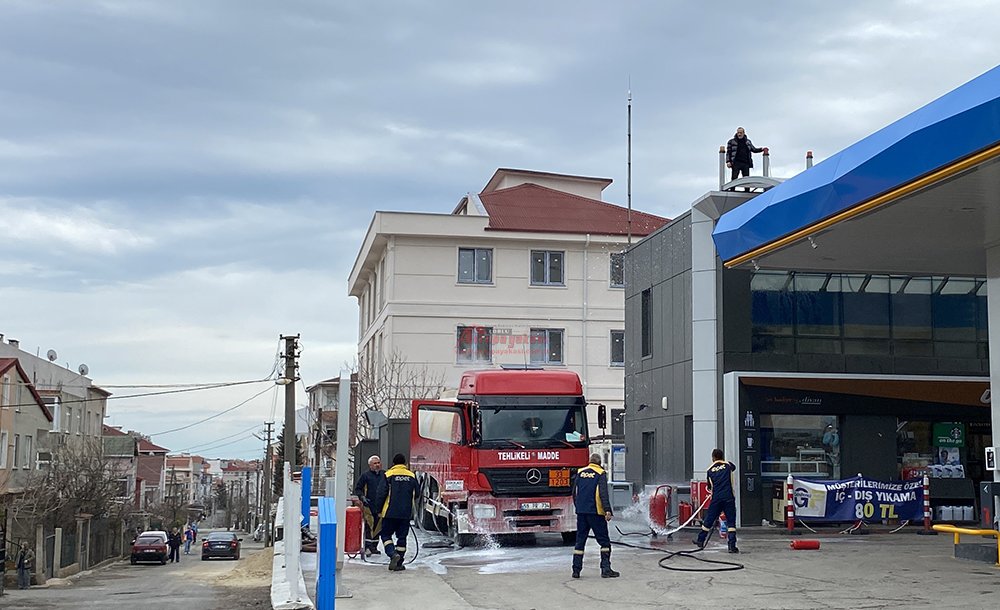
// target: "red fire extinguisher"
[[352, 533], [658, 503], [684, 510]]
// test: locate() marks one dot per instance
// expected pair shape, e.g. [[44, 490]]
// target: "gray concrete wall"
[[662, 264]]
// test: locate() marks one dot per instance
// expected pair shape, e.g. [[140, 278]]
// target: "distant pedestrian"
[[174, 542], [720, 483], [25, 563], [397, 510], [738, 155], [593, 511], [367, 489], [188, 539]]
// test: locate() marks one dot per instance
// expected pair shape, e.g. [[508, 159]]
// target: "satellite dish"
[[51, 355], [84, 369]]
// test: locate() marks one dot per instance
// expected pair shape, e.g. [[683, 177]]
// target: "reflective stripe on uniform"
[[576, 552]]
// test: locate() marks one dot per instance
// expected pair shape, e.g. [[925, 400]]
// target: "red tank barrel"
[[352, 531], [804, 545]]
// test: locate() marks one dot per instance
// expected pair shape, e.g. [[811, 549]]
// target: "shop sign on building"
[[949, 434]]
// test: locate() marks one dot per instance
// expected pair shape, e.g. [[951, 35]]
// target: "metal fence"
[[68, 548]]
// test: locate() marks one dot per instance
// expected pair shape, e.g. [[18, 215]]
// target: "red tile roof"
[[530, 207], [109, 431], [145, 445]]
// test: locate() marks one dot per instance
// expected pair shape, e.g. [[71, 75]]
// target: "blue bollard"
[[326, 562], [306, 494]]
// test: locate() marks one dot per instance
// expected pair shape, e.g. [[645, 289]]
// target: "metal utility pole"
[[291, 370], [629, 189], [317, 475], [267, 487], [229, 507], [246, 502], [175, 497]]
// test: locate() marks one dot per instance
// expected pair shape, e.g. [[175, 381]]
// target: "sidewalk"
[[872, 571]]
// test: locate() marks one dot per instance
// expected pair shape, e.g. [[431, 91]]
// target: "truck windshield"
[[534, 426]]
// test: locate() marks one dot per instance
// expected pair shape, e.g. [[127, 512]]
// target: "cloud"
[[28, 222], [183, 181]]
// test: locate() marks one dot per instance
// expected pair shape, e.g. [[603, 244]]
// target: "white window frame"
[[28, 457], [477, 332], [611, 270], [475, 266], [548, 333], [17, 450], [4, 448], [611, 354], [547, 280]]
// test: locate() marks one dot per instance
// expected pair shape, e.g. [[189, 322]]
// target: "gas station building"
[[831, 324]]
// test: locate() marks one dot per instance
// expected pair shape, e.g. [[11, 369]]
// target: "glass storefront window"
[[805, 446], [913, 446]]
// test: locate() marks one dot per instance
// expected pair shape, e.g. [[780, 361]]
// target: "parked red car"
[[149, 548]]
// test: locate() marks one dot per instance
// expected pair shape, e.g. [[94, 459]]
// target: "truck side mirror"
[[477, 426], [602, 416]]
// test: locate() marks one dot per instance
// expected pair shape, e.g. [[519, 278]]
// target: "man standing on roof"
[[738, 155], [720, 483], [593, 511], [401, 490]]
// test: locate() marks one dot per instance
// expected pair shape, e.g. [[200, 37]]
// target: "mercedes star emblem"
[[534, 476]]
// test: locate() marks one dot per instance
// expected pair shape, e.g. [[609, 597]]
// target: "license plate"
[[559, 478], [149, 551], [535, 506]]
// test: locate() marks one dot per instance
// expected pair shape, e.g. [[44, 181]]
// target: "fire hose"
[[716, 565]]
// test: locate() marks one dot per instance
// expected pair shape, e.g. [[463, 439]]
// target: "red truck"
[[501, 457]]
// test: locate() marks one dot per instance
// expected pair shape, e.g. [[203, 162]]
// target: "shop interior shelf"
[[786, 467]]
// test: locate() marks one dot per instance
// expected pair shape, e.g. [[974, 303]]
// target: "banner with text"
[[858, 498]]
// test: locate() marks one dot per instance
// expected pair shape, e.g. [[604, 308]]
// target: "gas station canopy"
[[918, 197]]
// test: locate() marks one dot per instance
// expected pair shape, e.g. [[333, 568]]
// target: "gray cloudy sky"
[[181, 181]]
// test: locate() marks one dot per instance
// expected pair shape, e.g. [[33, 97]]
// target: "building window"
[[474, 343], [17, 450], [475, 266], [618, 348], [618, 422], [546, 346], [27, 453], [547, 268], [617, 269], [647, 322], [4, 439], [800, 445]]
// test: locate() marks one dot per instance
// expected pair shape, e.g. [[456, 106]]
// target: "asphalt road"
[[191, 583]]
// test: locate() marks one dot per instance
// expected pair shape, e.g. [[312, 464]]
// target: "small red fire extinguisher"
[[723, 528]]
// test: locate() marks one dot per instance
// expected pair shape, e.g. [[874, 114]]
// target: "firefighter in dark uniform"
[[397, 510], [593, 511], [720, 483], [368, 488]]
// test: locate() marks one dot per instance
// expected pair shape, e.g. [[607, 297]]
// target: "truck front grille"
[[513, 482]]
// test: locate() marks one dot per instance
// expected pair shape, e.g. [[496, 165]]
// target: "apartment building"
[[527, 272], [24, 425]]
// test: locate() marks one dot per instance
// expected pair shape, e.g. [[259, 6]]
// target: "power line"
[[212, 442], [146, 394], [210, 417], [214, 447]]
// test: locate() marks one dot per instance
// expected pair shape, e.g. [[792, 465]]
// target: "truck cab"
[[501, 457]]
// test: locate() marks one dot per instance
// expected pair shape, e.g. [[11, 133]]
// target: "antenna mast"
[[629, 186]]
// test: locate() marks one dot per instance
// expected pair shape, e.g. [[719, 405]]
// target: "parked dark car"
[[221, 544], [149, 548]]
